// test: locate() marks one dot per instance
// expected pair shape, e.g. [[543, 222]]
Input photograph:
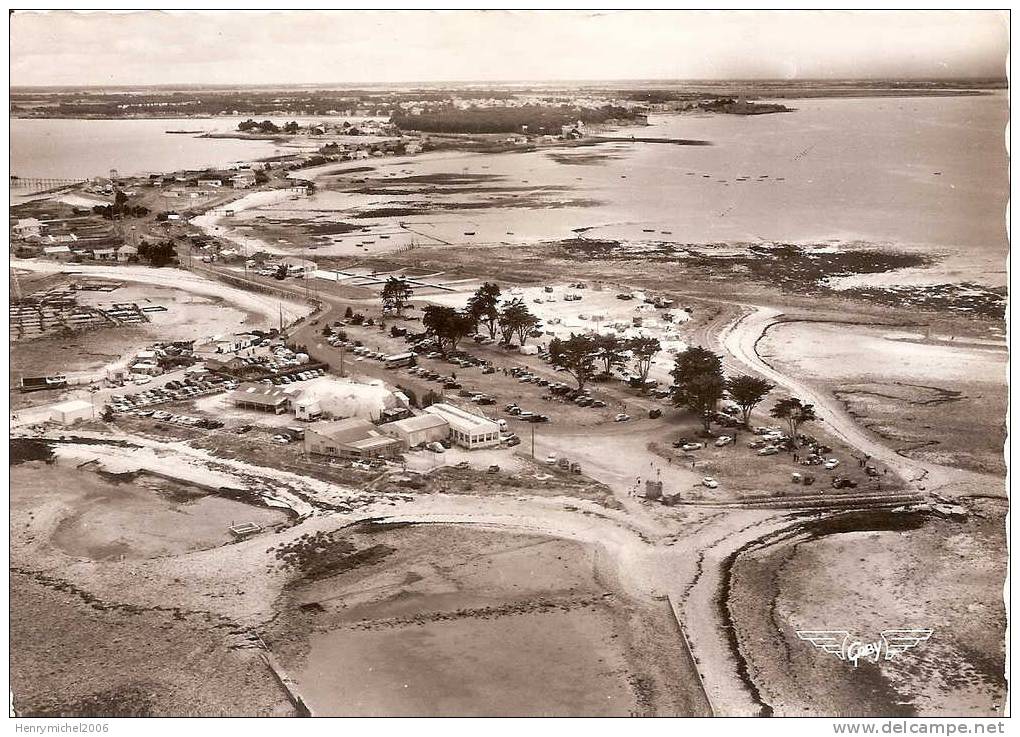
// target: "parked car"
[[281, 439], [709, 483], [551, 459], [621, 417], [841, 482], [831, 463], [436, 447], [691, 446], [769, 450], [723, 441]]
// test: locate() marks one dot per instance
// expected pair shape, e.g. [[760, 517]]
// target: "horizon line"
[[516, 82]]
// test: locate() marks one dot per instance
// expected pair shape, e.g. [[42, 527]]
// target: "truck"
[[40, 383]]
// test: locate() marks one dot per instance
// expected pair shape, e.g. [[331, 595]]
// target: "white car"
[[723, 440], [769, 450], [831, 463], [691, 446], [281, 439], [709, 483], [621, 418], [551, 459]]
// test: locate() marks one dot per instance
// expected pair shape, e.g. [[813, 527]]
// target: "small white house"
[[67, 413], [243, 180], [415, 431], [307, 409], [27, 228]]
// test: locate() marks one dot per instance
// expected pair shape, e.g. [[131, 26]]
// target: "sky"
[[343, 47]]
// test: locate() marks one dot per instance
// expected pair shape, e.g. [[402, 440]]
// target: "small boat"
[[648, 230], [469, 232]]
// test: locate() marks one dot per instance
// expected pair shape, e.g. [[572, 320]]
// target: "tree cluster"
[[699, 384], [582, 356], [267, 126], [157, 254], [121, 208]]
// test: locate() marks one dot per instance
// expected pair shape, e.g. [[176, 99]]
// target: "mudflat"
[[475, 622]]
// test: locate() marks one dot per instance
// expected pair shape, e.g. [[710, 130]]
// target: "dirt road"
[[740, 339]]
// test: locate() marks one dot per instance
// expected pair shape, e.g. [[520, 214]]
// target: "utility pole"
[[532, 441]]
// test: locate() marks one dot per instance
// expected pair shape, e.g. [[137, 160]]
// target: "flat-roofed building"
[[261, 397], [67, 413], [415, 431], [466, 428], [350, 438]]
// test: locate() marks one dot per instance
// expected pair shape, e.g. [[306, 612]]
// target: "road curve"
[[740, 338]]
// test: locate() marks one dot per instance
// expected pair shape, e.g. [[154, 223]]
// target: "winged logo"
[[891, 644]]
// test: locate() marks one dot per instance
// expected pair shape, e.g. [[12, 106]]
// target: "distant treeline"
[[534, 119], [156, 103], [740, 107]]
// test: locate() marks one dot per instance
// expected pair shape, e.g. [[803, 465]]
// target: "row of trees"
[[448, 326], [586, 356], [121, 208], [699, 384], [267, 126], [698, 379]]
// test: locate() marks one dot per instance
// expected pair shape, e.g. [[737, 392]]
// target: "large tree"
[[396, 294], [611, 350], [576, 355], [516, 320], [446, 326], [643, 349], [748, 392], [698, 382], [483, 306], [795, 413]]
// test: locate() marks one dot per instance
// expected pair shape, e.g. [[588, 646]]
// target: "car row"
[[175, 419], [187, 388], [292, 378]]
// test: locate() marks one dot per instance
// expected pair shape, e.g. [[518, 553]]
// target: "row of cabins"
[[120, 254]]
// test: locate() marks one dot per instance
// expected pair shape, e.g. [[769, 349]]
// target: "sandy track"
[[740, 338]]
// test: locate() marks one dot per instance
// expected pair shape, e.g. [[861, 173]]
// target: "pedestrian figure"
[[692, 465]]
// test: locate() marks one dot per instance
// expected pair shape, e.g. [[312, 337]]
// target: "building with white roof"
[[415, 431], [467, 429], [67, 413]]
